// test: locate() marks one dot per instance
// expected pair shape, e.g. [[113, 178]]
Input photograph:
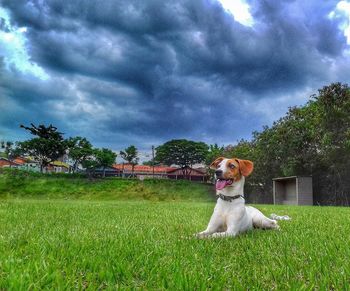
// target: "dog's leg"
[[265, 223], [224, 234], [261, 221], [216, 221], [236, 222], [205, 233], [233, 228]]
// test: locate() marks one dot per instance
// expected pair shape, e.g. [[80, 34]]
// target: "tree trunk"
[[184, 172], [104, 172], [75, 166], [89, 174]]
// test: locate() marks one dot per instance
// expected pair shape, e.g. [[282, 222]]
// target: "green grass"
[[21, 184], [75, 243], [120, 244]]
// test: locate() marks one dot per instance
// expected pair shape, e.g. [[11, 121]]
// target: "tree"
[[150, 163], [42, 131], [104, 158], [213, 153], [333, 123], [47, 147], [90, 164], [313, 139], [10, 152], [79, 150], [182, 152], [7, 146], [14, 152], [147, 163], [130, 156]]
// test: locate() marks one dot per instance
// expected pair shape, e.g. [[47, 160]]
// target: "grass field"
[[20, 184], [74, 243]]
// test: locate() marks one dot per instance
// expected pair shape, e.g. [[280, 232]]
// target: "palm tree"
[[130, 156]]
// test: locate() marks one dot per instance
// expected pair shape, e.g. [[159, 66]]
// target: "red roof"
[[142, 168], [19, 160], [6, 162], [23, 160]]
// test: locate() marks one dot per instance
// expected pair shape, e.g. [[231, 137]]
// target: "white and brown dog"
[[231, 216]]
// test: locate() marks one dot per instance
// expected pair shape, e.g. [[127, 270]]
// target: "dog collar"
[[228, 198]]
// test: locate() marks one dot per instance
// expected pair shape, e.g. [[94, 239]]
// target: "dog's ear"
[[214, 164], [245, 166]]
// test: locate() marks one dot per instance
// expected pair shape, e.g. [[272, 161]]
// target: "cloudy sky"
[[144, 72]]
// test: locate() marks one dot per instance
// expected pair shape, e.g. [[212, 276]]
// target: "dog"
[[231, 216]]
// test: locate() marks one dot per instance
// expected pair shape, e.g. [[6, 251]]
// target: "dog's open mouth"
[[222, 183]]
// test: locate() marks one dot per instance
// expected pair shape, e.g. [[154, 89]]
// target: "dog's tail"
[[279, 217]]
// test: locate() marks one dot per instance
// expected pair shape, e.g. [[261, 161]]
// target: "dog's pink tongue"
[[221, 184]]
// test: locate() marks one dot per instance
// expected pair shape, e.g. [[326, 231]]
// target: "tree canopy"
[[183, 153], [309, 140], [79, 149], [104, 158], [130, 155], [47, 147]]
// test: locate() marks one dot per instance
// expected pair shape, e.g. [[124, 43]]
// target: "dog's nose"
[[218, 173]]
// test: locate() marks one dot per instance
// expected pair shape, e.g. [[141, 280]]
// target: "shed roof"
[[288, 178]]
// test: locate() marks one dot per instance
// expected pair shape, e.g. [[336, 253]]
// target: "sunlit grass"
[[120, 244]]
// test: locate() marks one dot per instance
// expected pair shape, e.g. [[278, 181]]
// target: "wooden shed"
[[293, 190]]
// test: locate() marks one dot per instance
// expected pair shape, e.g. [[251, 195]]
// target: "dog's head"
[[229, 171]]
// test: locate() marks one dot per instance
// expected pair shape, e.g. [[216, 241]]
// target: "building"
[[6, 163], [191, 174], [27, 163], [293, 190], [162, 172], [144, 171], [57, 167], [108, 172]]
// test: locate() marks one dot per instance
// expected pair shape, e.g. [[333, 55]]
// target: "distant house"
[[143, 171], [27, 163], [6, 163], [57, 167], [20, 160], [20, 163], [192, 174], [109, 172]]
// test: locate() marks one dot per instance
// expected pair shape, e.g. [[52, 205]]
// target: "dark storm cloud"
[[302, 23], [148, 71]]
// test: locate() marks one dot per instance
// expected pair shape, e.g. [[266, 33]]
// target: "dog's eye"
[[232, 166]]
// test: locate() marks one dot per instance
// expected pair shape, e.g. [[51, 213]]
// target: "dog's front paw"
[[276, 226], [200, 234]]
